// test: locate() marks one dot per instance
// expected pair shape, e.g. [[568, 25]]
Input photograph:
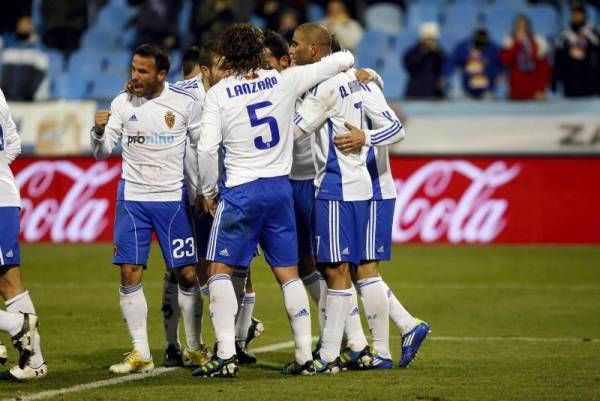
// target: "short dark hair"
[[335, 44], [207, 52], [160, 55], [276, 43], [190, 60], [242, 47]]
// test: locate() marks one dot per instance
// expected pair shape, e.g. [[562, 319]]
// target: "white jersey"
[[384, 128], [190, 161], [325, 109], [251, 119], [303, 166], [153, 134], [10, 148]]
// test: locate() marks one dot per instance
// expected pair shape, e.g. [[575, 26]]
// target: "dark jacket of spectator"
[[157, 22], [64, 23], [478, 59], [577, 62], [424, 67], [525, 56], [211, 17]]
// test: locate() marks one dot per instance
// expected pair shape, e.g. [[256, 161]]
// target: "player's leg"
[[233, 240], [279, 243], [18, 302], [171, 312], [132, 237], [172, 222], [246, 327]]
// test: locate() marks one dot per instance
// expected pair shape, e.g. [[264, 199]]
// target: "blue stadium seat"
[[386, 17], [544, 18], [114, 17], [184, 21], [74, 85], [461, 19], [498, 22], [106, 87], [55, 63], [419, 13], [86, 59], [372, 49], [404, 41], [394, 82], [315, 12], [97, 37]]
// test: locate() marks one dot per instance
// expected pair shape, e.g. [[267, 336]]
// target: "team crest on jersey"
[[170, 119]]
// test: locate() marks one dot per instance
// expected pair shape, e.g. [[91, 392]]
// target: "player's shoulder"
[[121, 99], [181, 93]]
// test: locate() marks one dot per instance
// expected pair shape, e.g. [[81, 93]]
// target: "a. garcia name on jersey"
[[157, 139], [251, 87]]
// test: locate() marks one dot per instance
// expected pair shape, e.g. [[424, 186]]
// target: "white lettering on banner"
[[475, 217], [76, 217]]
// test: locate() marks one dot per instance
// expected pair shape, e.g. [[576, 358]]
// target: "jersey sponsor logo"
[[159, 139], [133, 118], [251, 87], [170, 119]]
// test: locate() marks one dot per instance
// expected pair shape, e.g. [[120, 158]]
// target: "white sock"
[[353, 327], [312, 284], [190, 303], [244, 319], [322, 303], [11, 322], [337, 307], [223, 309], [298, 310], [238, 280], [170, 309], [135, 313], [374, 297], [23, 303], [404, 320]]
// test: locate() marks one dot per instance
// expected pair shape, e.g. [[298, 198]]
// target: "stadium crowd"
[[518, 50]]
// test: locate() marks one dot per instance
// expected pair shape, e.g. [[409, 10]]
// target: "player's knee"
[[366, 270], [131, 274], [186, 276]]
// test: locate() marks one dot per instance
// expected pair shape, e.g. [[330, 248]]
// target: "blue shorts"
[[9, 237], [304, 202], [258, 212], [340, 230], [378, 245], [134, 223]]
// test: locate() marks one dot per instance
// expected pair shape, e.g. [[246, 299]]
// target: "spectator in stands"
[[24, 64], [11, 12], [24, 35], [478, 59], [156, 22], [424, 62], [525, 56], [63, 24], [339, 23], [288, 22], [577, 57], [271, 11], [211, 17]]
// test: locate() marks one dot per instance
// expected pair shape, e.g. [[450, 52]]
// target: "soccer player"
[[153, 127], [248, 114], [19, 319], [378, 299]]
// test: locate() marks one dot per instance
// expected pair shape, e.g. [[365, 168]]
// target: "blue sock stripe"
[[289, 282], [361, 283], [130, 289], [311, 278], [335, 293], [191, 289], [217, 277]]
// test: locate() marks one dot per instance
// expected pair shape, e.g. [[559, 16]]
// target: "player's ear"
[[285, 61], [162, 75]]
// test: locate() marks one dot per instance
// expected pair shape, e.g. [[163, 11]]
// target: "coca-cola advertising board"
[[474, 200]]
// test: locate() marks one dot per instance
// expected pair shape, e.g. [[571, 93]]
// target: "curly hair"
[[242, 46]]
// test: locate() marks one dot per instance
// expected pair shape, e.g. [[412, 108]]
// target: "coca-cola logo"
[[59, 200], [424, 210]]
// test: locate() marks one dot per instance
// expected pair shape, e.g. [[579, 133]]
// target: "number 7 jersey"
[[252, 120]]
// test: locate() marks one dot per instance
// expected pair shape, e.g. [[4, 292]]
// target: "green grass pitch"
[[508, 323]]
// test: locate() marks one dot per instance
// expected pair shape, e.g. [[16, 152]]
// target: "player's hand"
[[101, 120], [364, 76], [210, 205], [351, 141]]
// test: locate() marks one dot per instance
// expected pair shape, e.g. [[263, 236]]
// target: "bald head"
[[310, 43]]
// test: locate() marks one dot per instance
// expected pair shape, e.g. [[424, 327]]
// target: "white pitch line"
[[265, 349], [128, 378]]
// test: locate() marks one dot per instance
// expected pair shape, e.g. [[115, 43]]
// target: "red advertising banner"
[[440, 200]]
